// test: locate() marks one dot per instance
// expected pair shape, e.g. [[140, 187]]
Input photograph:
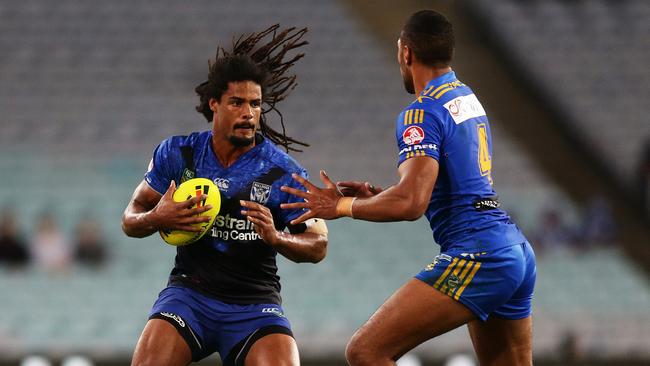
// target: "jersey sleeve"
[[165, 165], [418, 133], [287, 215]]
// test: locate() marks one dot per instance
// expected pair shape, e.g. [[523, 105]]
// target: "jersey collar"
[[437, 82]]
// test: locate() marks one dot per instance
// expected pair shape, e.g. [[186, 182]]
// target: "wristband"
[[344, 206]]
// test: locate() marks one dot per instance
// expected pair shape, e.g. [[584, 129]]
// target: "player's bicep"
[[418, 177]]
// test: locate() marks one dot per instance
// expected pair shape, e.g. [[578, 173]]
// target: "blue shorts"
[[500, 282], [210, 325]]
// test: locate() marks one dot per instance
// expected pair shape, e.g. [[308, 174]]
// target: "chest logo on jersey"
[[413, 135], [260, 192], [187, 175], [463, 108], [222, 183]]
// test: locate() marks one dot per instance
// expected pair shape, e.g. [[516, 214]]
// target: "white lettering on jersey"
[[464, 108]]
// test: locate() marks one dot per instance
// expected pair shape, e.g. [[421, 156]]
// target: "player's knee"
[[146, 360]]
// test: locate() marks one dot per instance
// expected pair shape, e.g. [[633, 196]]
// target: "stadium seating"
[[590, 58]]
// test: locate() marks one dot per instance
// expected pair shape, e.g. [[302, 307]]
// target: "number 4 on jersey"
[[484, 158]]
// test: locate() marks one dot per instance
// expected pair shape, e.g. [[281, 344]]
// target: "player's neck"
[[226, 152], [423, 74]]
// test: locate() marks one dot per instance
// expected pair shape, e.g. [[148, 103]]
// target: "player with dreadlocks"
[[223, 294]]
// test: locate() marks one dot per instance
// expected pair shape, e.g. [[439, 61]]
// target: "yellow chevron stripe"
[[445, 273], [443, 91], [469, 279], [427, 91], [467, 268], [438, 89], [420, 115], [405, 118]]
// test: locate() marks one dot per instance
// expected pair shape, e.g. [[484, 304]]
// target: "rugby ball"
[[189, 189]]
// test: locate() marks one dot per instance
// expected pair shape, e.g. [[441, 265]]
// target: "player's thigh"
[[413, 314], [273, 350], [161, 344], [500, 341]]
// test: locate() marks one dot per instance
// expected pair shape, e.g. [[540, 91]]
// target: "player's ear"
[[213, 104], [407, 55]]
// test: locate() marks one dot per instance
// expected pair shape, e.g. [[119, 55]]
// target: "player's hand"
[[169, 214], [319, 202], [262, 218], [358, 189]]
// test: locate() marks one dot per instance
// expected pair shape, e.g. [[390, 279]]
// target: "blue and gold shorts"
[[498, 282]]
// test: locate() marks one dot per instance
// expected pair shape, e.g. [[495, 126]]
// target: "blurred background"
[[89, 88]]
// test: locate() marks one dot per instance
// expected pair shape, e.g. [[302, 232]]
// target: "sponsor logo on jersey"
[[222, 183], [177, 318], [413, 135], [274, 311], [465, 107], [187, 175], [232, 228], [418, 147], [260, 192]]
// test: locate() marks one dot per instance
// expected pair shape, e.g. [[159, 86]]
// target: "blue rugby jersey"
[[448, 123], [231, 263]]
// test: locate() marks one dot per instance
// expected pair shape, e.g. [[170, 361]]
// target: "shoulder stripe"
[[413, 116]]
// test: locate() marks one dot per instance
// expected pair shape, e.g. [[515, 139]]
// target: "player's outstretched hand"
[[319, 202], [263, 219], [169, 214], [358, 189]]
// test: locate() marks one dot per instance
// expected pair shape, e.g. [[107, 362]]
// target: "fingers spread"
[[350, 184], [307, 184], [295, 192], [328, 182], [291, 206]]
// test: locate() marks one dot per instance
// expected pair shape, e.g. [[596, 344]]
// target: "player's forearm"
[[139, 224], [305, 247], [393, 204]]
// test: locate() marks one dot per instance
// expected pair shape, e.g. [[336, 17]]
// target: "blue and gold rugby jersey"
[[231, 263], [448, 123]]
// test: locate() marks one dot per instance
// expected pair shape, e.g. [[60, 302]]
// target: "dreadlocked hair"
[[260, 58]]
